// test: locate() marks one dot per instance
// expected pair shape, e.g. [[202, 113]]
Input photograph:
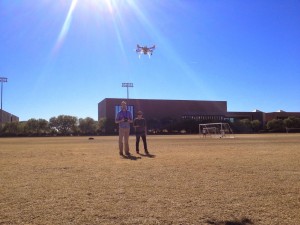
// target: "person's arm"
[[118, 120], [145, 126], [135, 123], [130, 117]]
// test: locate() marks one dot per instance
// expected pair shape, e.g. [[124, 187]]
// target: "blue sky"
[[63, 57]]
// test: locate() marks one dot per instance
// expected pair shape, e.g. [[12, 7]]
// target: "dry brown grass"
[[252, 179]]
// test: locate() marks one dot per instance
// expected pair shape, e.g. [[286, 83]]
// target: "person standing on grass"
[[139, 124], [204, 131], [124, 118]]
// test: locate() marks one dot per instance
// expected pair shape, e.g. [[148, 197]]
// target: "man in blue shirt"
[[124, 118]]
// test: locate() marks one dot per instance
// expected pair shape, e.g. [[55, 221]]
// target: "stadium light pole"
[[2, 80], [127, 85]]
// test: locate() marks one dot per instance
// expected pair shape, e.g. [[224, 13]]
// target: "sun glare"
[[109, 5], [103, 5], [65, 28]]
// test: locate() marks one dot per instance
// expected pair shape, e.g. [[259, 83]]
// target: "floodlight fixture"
[[127, 85]]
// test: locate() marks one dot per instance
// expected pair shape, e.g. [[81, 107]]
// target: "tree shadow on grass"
[[243, 221]]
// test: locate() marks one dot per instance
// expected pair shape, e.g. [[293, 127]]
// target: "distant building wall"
[[158, 109], [8, 117], [231, 116], [187, 109], [281, 115]]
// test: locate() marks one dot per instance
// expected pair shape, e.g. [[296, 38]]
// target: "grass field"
[[251, 179]]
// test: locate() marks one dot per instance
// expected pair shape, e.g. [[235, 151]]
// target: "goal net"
[[216, 130]]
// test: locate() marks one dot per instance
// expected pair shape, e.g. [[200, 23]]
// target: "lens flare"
[[65, 28]]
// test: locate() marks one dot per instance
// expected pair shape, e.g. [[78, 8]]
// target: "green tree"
[[102, 125], [111, 126], [245, 125], [63, 124], [36, 127], [31, 127], [88, 126], [43, 127], [292, 122], [255, 124], [12, 129], [275, 125]]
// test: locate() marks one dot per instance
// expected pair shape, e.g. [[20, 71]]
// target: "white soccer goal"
[[216, 130]]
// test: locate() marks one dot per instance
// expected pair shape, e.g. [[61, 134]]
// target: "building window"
[[130, 108]]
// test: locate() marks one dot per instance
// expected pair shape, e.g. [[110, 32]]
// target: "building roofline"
[[143, 99]]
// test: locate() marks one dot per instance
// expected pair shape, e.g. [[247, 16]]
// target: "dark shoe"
[[146, 152], [138, 152], [121, 153], [128, 154]]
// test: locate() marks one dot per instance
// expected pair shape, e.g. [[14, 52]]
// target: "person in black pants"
[[139, 124]]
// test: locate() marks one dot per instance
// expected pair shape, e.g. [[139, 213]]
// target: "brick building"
[[185, 109], [162, 108], [8, 117], [280, 114]]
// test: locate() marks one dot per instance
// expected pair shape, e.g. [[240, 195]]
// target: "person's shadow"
[[147, 155], [243, 221], [131, 157]]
